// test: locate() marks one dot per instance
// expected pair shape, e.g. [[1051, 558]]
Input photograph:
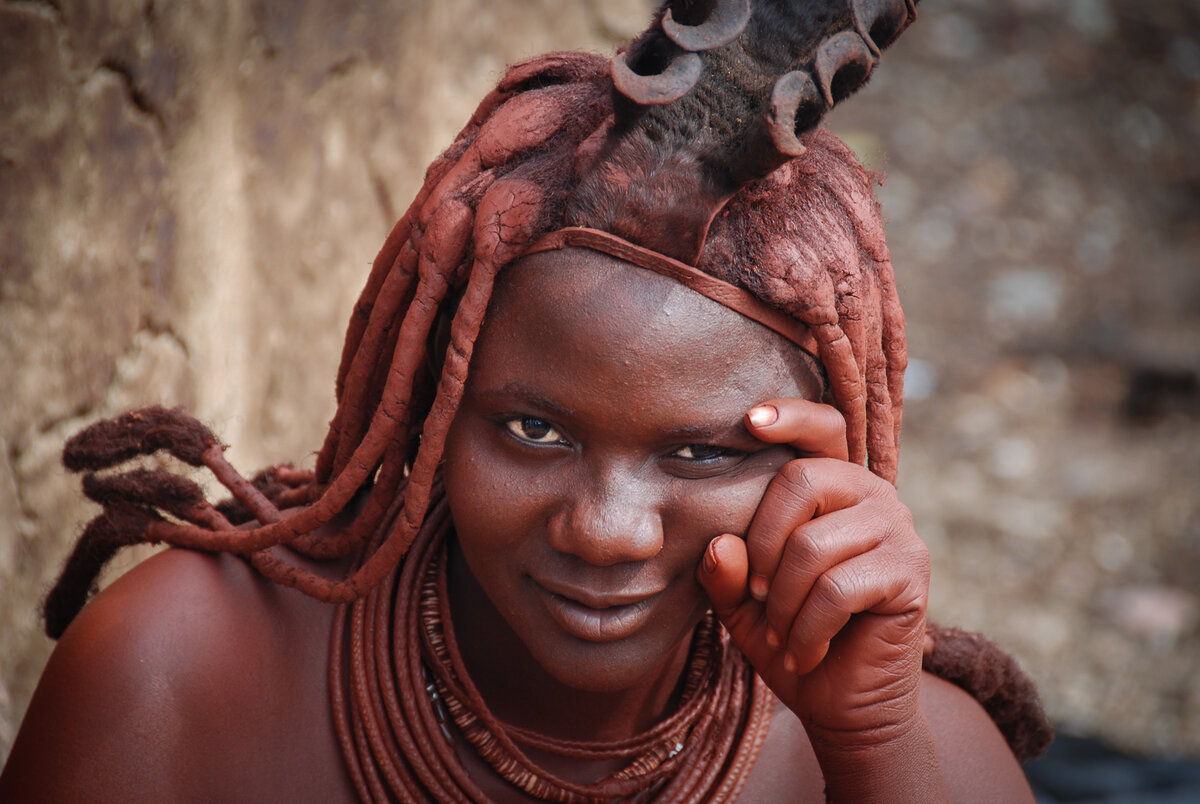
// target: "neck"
[[520, 692]]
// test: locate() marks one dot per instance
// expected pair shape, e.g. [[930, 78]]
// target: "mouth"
[[597, 618]]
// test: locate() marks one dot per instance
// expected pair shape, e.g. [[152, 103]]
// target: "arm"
[[976, 759], [190, 678], [106, 715], [826, 596]]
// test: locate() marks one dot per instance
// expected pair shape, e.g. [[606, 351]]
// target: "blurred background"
[[190, 198]]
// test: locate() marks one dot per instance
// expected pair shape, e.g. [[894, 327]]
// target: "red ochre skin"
[[586, 494], [576, 501]]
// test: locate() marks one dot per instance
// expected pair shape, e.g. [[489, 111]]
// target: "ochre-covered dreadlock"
[[502, 183], [552, 146]]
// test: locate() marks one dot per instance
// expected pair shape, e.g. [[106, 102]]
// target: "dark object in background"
[[1155, 393], [1078, 770]]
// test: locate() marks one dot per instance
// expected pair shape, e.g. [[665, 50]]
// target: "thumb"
[[724, 573]]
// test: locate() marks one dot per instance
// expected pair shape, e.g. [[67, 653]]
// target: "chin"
[[610, 668]]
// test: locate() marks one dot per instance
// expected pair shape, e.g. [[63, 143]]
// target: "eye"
[[534, 430], [703, 452]]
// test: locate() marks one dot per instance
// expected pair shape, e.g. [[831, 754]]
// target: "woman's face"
[[598, 449]]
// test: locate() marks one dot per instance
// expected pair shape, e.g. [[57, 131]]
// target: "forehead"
[[593, 311]]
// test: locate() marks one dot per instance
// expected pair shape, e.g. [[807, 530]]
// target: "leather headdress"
[[715, 95]]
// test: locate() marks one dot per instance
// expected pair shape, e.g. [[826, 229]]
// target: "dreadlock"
[[672, 160], [500, 184]]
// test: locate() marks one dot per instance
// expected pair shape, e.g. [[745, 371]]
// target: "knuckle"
[[877, 527], [904, 517], [834, 589], [900, 531], [894, 518], [876, 488], [922, 562], [800, 553], [835, 422], [797, 476]]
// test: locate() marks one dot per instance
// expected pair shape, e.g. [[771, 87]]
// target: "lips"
[[597, 617]]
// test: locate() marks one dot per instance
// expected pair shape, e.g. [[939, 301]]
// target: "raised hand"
[[826, 593]]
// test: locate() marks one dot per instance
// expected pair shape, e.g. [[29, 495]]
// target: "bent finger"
[[804, 489], [860, 585], [723, 573], [812, 549]]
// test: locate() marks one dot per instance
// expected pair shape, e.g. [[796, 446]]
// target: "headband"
[[731, 296]]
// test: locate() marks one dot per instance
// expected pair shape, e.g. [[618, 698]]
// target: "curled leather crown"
[[716, 94]]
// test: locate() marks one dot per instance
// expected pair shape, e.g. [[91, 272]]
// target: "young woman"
[[607, 504]]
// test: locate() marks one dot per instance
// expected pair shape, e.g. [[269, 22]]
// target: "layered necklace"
[[401, 693]]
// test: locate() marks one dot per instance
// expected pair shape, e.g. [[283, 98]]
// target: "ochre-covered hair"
[[807, 240], [553, 145]]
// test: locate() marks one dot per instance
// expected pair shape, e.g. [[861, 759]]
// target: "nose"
[[609, 523]]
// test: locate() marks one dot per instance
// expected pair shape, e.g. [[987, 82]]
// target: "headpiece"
[[716, 95]]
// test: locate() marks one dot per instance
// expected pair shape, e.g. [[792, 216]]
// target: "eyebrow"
[[697, 431], [735, 431], [526, 394]]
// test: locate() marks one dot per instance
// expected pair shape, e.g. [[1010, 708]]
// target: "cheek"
[[470, 490], [492, 503], [700, 514]]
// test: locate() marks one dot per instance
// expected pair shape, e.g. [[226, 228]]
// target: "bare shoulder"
[[974, 756], [177, 682]]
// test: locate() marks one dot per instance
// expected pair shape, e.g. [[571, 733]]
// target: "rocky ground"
[[1043, 191]]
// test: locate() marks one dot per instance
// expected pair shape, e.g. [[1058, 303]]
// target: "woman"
[[620, 366]]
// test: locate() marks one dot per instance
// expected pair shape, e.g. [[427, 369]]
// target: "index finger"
[[817, 430]]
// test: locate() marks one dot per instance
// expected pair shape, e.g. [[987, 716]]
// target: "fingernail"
[[772, 637], [758, 587], [789, 663], [763, 415], [710, 556]]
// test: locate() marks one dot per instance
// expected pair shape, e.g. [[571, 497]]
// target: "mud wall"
[[191, 195]]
